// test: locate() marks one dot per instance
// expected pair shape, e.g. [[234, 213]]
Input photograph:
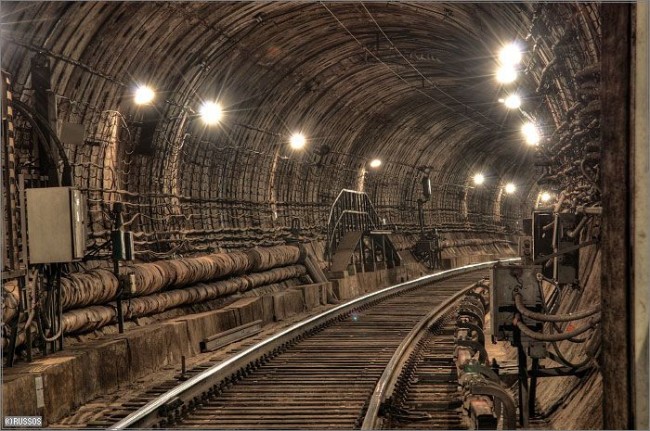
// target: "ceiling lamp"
[[510, 188], [531, 134], [375, 163], [479, 179], [297, 141], [143, 95], [510, 55], [512, 102], [506, 74], [211, 113], [545, 197]]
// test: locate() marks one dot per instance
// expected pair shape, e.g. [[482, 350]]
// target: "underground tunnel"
[[310, 215]]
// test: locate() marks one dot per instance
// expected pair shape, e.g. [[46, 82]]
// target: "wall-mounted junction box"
[[543, 231], [55, 224], [551, 235], [506, 279], [565, 266]]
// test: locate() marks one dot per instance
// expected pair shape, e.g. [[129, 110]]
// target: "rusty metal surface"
[[392, 386], [195, 390]]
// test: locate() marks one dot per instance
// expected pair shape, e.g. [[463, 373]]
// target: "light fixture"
[[545, 197], [510, 55], [211, 112], [506, 74], [510, 188], [297, 141], [479, 179], [375, 163], [143, 95], [513, 101], [531, 134]]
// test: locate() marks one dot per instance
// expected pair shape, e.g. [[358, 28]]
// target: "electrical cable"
[[39, 123], [553, 337], [456, 112], [541, 317], [435, 86], [57, 275], [559, 357]]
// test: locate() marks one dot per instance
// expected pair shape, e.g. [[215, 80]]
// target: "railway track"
[[331, 371]]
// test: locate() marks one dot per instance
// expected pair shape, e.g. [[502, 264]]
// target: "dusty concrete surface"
[[115, 362], [105, 362]]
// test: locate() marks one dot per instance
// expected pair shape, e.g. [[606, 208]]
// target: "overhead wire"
[[397, 74], [435, 86]]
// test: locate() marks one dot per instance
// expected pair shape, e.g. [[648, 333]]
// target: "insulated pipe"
[[314, 272], [521, 307], [97, 316], [100, 286], [10, 300], [578, 229]]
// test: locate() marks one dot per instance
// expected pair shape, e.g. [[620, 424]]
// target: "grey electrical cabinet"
[[56, 225], [506, 280]]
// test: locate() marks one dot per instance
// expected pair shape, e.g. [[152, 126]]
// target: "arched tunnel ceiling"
[[410, 83], [305, 61]]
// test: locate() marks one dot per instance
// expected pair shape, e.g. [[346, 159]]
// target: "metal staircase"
[[357, 235]]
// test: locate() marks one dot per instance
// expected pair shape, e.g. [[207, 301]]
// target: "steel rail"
[[148, 416], [388, 380]]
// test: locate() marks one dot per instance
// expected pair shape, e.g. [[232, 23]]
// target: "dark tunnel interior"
[[256, 115]]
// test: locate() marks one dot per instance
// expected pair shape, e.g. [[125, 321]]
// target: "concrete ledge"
[[81, 373], [19, 390], [287, 304], [201, 325], [247, 309], [346, 288], [311, 294]]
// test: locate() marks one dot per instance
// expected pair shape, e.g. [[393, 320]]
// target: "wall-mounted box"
[[56, 225], [505, 280]]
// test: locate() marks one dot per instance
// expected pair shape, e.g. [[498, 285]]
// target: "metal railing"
[[351, 211]]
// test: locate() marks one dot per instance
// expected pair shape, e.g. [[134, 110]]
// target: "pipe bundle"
[[88, 298], [99, 286], [97, 316], [10, 298]]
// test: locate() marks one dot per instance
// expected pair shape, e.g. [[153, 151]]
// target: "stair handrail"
[[334, 231]]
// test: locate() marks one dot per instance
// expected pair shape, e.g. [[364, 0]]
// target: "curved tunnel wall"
[[332, 71], [411, 84]]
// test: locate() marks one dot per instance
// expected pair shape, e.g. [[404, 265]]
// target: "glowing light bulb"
[[510, 188], [506, 74], [143, 95], [297, 141], [510, 55], [545, 197], [479, 179], [512, 102], [211, 113], [531, 134], [375, 163]]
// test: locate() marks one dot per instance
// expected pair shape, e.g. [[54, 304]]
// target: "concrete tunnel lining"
[[411, 84]]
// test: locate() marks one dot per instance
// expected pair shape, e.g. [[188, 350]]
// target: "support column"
[[616, 161], [641, 209]]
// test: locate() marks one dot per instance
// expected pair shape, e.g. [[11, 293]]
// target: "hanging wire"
[[398, 75]]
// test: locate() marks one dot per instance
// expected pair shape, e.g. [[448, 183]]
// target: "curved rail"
[[387, 382], [191, 391]]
